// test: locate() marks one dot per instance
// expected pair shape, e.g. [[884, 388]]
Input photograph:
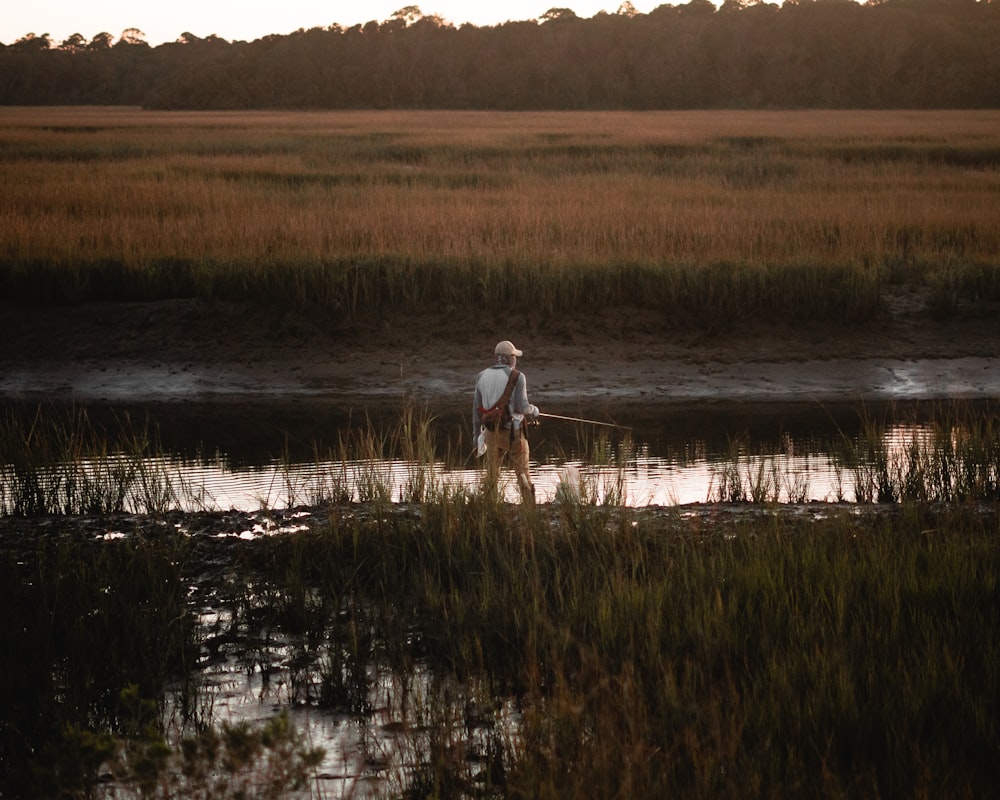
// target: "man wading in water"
[[499, 412]]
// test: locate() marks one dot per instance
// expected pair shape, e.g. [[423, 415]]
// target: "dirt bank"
[[197, 350]]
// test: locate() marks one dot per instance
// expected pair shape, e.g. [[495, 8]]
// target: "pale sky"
[[240, 19]]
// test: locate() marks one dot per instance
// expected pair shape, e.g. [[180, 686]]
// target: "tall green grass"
[[708, 217], [763, 655], [67, 464], [576, 650], [566, 656], [83, 621], [53, 463], [952, 458]]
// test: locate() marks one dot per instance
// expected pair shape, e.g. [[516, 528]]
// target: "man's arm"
[[477, 403], [520, 402]]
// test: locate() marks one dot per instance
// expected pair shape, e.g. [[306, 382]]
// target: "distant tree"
[[30, 43], [701, 8], [432, 21], [748, 54], [101, 41], [561, 15], [189, 39], [663, 11], [132, 37], [394, 25], [73, 43], [408, 14]]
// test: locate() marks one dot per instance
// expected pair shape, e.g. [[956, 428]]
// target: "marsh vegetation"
[[578, 652], [78, 460], [432, 639], [709, 218], [577, 649]]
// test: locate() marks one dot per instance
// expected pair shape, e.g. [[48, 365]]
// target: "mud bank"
[[584, 385], [192, 350]]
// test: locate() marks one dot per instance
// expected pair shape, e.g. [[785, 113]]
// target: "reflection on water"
[[271, 458], [369, 751], [641, 480]]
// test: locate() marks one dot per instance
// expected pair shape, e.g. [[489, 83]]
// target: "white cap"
[[506, 348]]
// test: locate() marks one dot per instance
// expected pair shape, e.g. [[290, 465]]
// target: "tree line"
[[801, 54]]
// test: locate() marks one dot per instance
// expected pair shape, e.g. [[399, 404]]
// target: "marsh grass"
[[398, 462], [567, 650], [708, 217], [64, 463], [953, 457], [536, 652], [766, 655], [945, 454], [83, 620], [68, 464], [761, 478]]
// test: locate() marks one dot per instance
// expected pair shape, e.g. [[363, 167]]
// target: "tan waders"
[[514, 446]]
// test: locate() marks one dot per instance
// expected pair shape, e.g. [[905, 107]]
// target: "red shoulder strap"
[[508, 390]]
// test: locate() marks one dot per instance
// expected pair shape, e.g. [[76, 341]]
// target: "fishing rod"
[[588, 421], [568, 419]]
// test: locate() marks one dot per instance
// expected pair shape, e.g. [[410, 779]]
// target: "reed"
[[760, 478], [770, 657], [748, 655], [396, 463], [709, 217], [271, 760], [952, 458], [59, 463], [84, 620], [668, 653], [63, 463]]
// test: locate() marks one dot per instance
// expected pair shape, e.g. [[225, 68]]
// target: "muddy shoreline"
[[222, 533], [193, 351]]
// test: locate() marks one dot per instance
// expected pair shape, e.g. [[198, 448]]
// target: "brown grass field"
[[367, 210]]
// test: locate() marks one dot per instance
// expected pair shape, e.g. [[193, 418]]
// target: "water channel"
[[279, 455]]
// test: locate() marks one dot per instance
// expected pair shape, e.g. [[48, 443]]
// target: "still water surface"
[[640, 479], [273, 456]]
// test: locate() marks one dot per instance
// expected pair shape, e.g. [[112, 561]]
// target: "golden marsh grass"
[[363, 209]]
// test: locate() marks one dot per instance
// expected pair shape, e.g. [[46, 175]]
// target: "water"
[[370, 753], [642, 479], [249, 457]]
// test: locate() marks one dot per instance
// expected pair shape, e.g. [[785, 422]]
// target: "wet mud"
[[199, 351]]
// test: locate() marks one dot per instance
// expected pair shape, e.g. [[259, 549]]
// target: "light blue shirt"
[[490, 384]]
